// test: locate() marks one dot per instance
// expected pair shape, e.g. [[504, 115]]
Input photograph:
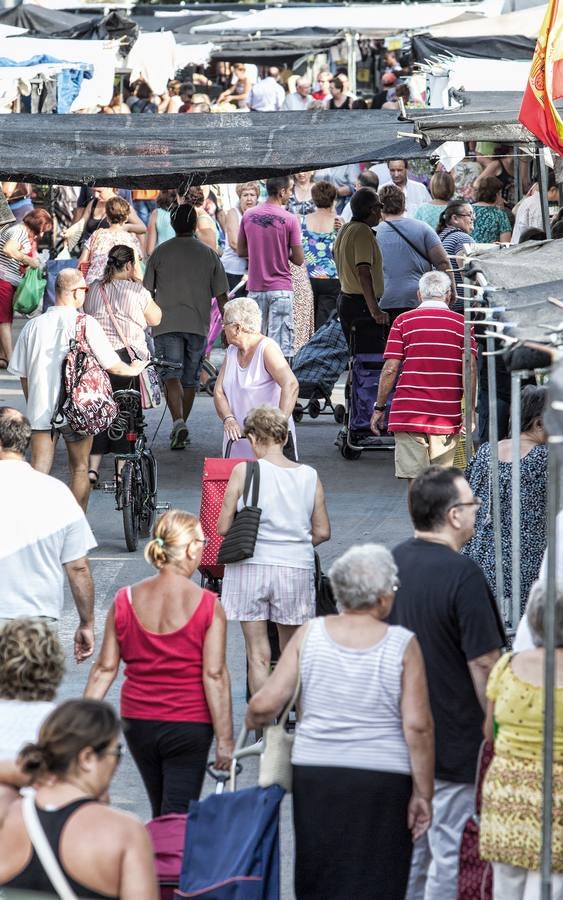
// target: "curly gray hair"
[[362, 575], [245, 312]]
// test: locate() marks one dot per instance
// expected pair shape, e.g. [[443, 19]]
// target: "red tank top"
[[163, 672]]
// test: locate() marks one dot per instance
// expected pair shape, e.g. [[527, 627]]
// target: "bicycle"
[[136, 472]]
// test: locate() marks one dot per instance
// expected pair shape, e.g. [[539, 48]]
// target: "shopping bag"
[[29, 292], [232, 846], [475, 876]]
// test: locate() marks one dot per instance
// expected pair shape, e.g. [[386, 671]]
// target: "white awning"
[[377, 20], [525, 22]]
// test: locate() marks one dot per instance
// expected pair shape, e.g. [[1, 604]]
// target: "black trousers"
[[171, 758], [351, 307], [351, 833], [325, 295]]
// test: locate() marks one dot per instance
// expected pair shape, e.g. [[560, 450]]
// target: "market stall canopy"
[[425, 47], [376, 20], [165, 151], [524, 22], [40, 20], [497, 122]]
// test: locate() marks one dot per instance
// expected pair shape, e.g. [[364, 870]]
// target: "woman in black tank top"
[[103, 853]]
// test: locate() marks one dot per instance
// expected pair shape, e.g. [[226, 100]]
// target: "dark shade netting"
[[525, 264], [425, 46], [169, 151]]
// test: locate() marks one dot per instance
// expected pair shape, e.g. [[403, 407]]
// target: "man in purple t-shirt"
[[270, 236]]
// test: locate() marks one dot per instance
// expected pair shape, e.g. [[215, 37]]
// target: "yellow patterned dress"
[[512, 793]]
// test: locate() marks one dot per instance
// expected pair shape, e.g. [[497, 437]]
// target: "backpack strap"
[[80, 333]]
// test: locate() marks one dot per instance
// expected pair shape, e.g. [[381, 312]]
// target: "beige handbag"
[[275, 760]]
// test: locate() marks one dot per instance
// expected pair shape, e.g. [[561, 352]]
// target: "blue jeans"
[[181, 347], [144, 208]]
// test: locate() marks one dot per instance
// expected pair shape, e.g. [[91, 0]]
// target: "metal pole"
[[549, 668], [515, 410], [494, 488], [467, 377], [517, 177], [542, 183]]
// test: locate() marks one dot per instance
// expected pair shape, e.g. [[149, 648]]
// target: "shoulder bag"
[[149, 385], [240, 540], [410, 243], [43, 848], [325, 604], [275, 760]]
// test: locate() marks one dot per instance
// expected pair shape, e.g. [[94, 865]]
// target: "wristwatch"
[[377, 408]]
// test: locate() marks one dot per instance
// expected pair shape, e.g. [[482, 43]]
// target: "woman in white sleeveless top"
[[235, 265], [277, 584], [363, 757], [254, 372]]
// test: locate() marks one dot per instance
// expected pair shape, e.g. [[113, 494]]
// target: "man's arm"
[[441, 261], [366, 282], [242, 246], [82, 589], [387, 380], [297, 255], [480, 669]]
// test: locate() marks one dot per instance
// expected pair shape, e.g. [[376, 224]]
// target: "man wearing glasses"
[[37, 359], [445, 599]]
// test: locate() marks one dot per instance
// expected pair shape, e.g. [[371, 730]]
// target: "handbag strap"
[[43, 848], [409, 242], [252, 476], [120, 335], [284, 716]]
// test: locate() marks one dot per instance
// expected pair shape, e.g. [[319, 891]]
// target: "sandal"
[[93, 478]]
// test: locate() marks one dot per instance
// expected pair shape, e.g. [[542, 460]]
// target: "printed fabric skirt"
[[303, 307], [511, 815]]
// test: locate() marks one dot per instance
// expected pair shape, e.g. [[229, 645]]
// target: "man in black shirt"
[[445, 599]]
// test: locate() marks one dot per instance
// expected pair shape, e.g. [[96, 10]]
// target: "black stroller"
[[367, 345], [317, 367]]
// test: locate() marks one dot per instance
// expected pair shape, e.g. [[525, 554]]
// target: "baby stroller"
[[215, 325], [367, 345], [317, 367]]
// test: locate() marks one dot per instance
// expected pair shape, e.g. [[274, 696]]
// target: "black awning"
[[163, 151], [425, 46]]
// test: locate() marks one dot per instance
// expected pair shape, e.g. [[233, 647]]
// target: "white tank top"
[[232, 262], [287, 499], [351, 703]]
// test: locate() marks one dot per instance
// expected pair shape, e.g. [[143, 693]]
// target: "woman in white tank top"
[[363, 757], [277, 584]]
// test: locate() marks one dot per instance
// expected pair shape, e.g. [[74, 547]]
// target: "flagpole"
[[542, 182]]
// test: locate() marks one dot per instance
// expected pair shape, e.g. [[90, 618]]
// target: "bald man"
[[37, 359]]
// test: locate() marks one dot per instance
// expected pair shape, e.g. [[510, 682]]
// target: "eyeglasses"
[[118, 753], [83, 287], [465, 215], [204, 541], [475, 502], [231, 325]]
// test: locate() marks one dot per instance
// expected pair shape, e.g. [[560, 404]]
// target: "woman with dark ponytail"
[[124, 309], [454, 230], [102, 852]]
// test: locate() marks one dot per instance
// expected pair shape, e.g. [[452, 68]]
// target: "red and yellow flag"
[[545, 82]]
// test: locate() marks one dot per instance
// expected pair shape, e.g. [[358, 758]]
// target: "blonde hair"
[[266, 424], [248, 186], [32, 660], [172, 533]]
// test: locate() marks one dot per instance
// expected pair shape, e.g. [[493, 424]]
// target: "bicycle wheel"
[[148, 492], [131, 506]]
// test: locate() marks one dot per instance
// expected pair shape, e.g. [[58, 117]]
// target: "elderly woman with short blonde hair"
[[511, 815], [248, 193], [254, 372], [363, 756]]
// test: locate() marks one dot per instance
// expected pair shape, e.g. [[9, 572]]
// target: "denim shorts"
[[181, 347]]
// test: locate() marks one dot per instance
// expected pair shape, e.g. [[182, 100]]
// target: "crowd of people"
[[398, 689]]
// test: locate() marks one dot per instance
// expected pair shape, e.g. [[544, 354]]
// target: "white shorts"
[[254, 593]]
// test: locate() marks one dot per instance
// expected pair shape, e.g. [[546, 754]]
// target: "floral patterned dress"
[[490, 222], [317, 249], [533, 493]]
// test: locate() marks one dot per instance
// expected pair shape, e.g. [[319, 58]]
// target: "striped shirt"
[[128, 301], [351, 703], [429, 341], [10, 269]]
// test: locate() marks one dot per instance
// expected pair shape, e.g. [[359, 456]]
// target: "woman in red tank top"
[[176, 689]]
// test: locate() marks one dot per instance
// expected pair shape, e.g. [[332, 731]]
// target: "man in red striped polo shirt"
[[425, 413]]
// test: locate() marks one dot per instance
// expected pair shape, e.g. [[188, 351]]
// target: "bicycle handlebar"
[[162, 363]]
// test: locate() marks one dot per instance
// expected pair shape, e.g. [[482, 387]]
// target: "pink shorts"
[[7, 292]]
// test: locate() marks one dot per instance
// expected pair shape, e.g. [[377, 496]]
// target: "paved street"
[[364, 500]]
